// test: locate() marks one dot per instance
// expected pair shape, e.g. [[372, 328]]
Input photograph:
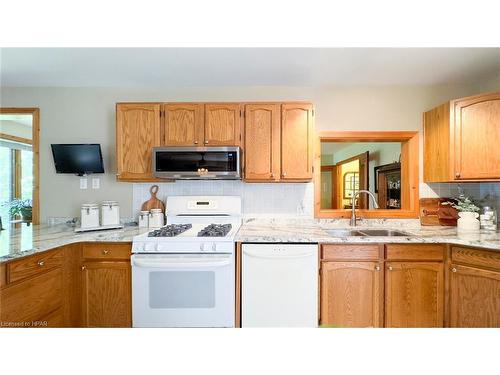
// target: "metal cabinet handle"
[[105, 252], [377, 268], [457, 175], [206, 142], [453, 269], [195, 142], [283, 174], [84, 268], [389, 268], [41, 263]]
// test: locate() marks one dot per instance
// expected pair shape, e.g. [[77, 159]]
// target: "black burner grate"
[[171, 230]]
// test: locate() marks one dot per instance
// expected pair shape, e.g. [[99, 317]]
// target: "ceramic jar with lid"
[[144, 219], [468, 222], [90, 215], [110, 213], [156, 218]]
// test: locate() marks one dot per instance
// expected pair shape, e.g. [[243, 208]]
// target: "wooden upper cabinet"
[[222, 124], [262, 142], [137, 132], [461, 139], [477, 135], [414, 294], [296, 141], [183, 124], [474, 297], [351, 294], [106, 294]]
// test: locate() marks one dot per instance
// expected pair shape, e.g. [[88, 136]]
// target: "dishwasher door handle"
[[258, 254]]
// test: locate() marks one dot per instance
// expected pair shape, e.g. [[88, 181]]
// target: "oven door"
[[183, 290]]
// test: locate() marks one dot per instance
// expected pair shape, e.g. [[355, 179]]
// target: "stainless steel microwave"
[[197, 163]]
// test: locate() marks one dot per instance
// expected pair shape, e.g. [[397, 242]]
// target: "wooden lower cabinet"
[[414, 294], [351, 294], [34, 302], [475, 297], [106, 294]]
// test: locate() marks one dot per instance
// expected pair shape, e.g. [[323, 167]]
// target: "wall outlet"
[[83, 182], [96, 183]]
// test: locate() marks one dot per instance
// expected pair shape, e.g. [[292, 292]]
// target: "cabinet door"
[[137, 132], [262, 141], [351, 294], [222, 124], [475, 297], [296, 141], [477, 135], [33, 301], [414, 294], [183, 124], [106, 294]]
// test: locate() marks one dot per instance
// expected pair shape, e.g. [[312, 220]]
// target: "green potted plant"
[[468, 212], [22, 208]]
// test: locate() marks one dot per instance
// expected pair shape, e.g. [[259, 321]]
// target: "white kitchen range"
[[183, 274]]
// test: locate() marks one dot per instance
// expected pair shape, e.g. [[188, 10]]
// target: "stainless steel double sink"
[[366, 233]]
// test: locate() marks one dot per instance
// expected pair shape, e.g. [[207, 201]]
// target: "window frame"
[[409, 172]]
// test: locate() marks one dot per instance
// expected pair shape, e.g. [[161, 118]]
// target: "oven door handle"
[[180, 264]]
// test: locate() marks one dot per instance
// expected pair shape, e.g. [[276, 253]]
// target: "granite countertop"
[[271, 230], [16, 243], [27, 240]]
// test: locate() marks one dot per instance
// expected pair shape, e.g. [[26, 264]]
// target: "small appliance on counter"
[[90, 220]]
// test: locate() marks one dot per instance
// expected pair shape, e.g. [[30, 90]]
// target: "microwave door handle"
[[175, 265], [278, 256]]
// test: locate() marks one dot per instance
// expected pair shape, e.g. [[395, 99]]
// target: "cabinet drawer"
[[475, 257], [32, 300], [33, 265], [107, 251], [349, 252], [414, 252]]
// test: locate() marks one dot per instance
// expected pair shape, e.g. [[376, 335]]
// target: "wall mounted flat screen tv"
[[79, 159]]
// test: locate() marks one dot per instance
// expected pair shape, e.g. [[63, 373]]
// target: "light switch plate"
[[83, 182], [96, 183]]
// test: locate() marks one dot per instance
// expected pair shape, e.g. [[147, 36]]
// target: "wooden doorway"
[[34, 142], [343, 192]]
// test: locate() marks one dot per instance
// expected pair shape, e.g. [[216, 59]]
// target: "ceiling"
[[181, 67], [24, 120]]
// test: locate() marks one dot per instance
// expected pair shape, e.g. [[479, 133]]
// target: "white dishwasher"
[[279, 285]]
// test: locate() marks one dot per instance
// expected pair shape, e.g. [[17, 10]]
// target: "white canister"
[[90, 215], [110, 213], [156, 218], [144, 219], [468, 222]]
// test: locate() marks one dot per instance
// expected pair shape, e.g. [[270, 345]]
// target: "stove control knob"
[[214, 247], [138, 247], [150, 247]]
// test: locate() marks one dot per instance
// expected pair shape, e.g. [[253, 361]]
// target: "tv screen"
[[78, 159]]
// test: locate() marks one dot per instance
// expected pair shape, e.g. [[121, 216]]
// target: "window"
[[351, 184]]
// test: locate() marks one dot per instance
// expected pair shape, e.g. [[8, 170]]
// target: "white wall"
[[77, 115]]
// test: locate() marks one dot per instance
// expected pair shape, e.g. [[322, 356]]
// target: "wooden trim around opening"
[[35, 142], [409, 172]]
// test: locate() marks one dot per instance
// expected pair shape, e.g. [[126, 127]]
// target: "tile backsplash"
[[477, 191], [258, 199], [291, 199]]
